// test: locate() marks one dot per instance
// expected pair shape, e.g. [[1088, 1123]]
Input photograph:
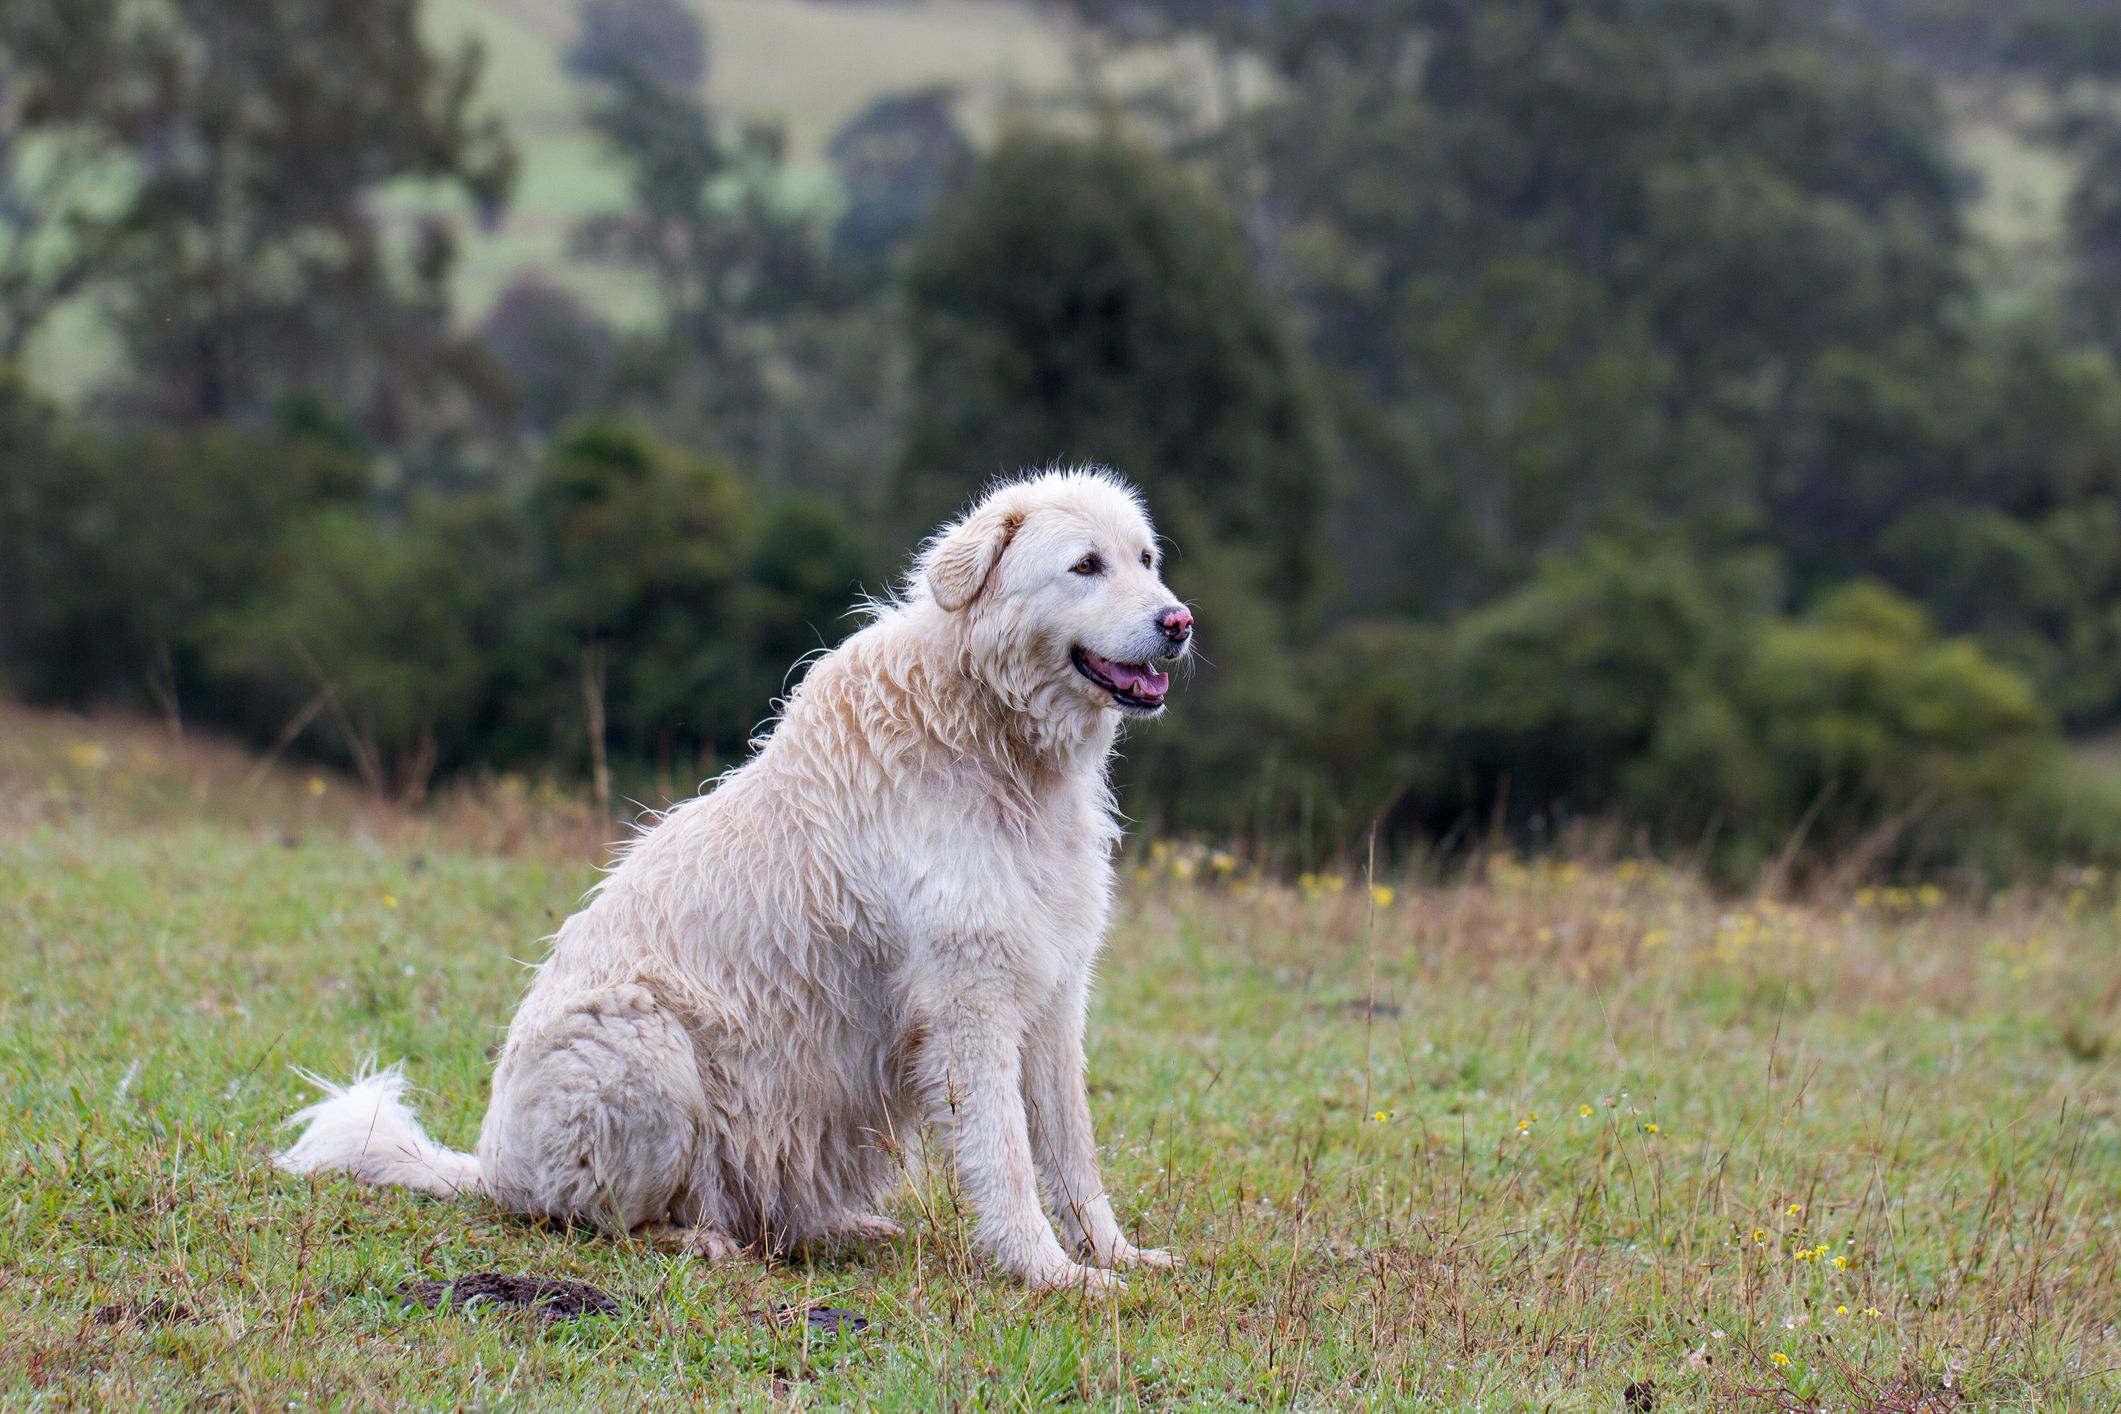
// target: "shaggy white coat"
[[886, 919]]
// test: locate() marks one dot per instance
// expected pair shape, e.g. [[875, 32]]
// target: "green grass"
[[1577, 1145]]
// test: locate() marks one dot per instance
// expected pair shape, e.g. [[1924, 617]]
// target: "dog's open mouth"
[[1133, 685]]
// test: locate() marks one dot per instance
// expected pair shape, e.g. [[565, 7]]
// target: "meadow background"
[[1630, 876], [1559, 1134]]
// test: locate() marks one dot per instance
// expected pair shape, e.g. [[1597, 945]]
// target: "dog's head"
[[1054, 584]]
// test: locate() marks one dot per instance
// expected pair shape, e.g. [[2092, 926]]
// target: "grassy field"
[[1521, 1139]]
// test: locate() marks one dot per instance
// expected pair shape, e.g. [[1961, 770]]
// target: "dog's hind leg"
[[598, 1114]]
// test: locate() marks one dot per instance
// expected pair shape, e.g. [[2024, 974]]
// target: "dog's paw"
[[872, 1227], [1094, 1281], [857, 1229], [1155, 1259], [1118, 1252], [711, 1247], [702, 1242]]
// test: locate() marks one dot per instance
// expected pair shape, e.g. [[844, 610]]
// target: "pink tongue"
[[1137, 679]]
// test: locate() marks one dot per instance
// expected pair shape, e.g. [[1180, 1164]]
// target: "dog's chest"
[[1035, 884]]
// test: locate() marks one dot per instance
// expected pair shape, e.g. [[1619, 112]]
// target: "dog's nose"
[[1176, 622]]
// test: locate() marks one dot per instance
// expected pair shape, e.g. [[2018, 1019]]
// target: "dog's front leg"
[[971, 1077], [1066, 1144]]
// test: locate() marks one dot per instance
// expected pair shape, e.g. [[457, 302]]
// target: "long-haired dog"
[[886, 920]]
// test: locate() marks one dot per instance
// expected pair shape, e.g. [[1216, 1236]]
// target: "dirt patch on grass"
[[822, 1320], [156, 1312], [549, 1299]]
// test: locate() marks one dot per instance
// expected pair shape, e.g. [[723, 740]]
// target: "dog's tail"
[[367, 1130]]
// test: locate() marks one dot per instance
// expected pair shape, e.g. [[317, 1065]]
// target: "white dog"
[[887, 918]]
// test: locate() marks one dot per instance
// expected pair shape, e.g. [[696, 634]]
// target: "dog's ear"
[[960, 560]]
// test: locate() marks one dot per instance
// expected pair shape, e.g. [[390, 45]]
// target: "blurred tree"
[[711, 222], [560, 357], [1575, 693], [62, 175], [1084, 302], [1874, 725], [118, 550], [639, 552], [386, 630], [262, 134], [2094, 219], [804, 580], [2065, 38], [897, 158], [1615, 243], [657, 42]]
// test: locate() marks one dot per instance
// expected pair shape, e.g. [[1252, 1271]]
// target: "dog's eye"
[[1148, 560], [1088, 564]]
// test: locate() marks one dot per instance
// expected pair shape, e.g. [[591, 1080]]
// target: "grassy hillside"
[[810, 65], [1521, 1140], [805, 66]]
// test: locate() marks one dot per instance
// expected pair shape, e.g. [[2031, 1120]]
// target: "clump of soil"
[[548, 1298], [144, 1313], [823, 1320]]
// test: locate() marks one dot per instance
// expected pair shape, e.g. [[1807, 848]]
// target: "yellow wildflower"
[[1779, 1358], [1381, 895], [1584, 1110], [88, 755], [390, 901]]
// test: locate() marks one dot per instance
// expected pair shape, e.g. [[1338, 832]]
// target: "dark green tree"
[[118, 549], [639, 552], [263, 134], [1086, 302], [389, 635], [1593, 263], [661, 42]]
